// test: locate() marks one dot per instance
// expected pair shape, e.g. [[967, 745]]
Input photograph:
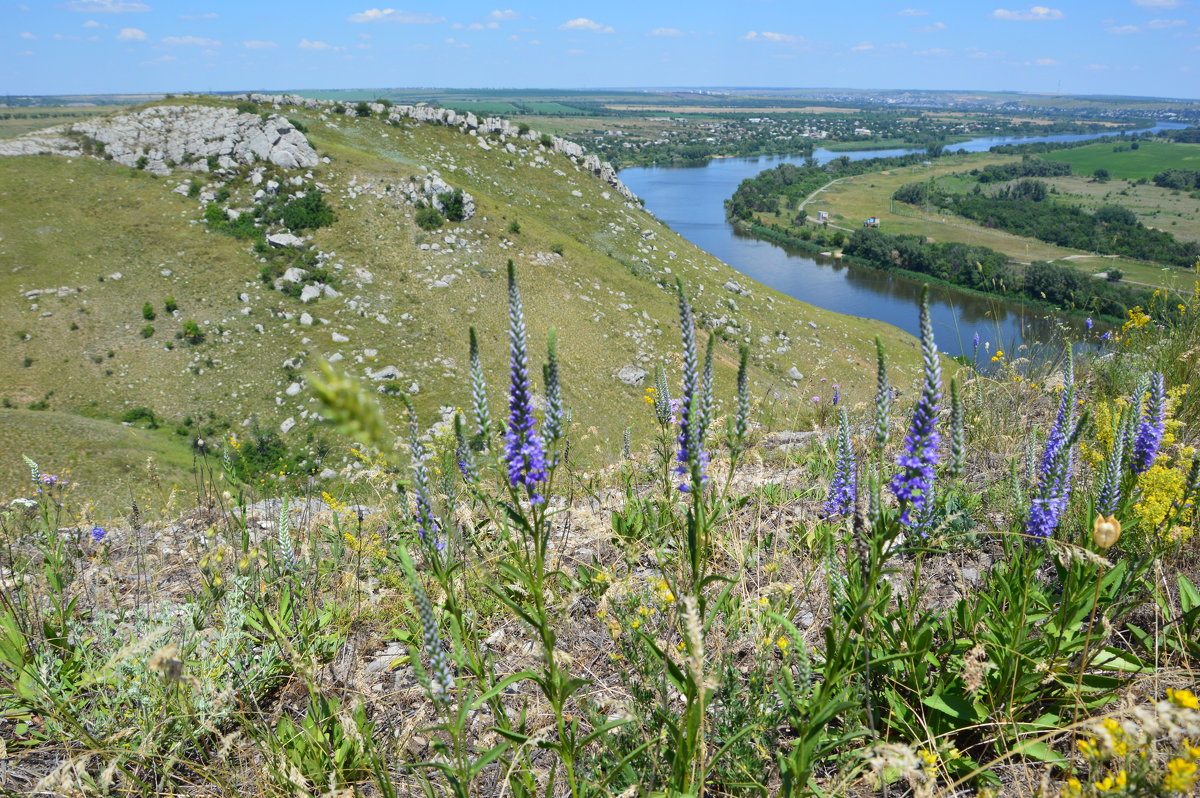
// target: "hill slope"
[[87, 242]]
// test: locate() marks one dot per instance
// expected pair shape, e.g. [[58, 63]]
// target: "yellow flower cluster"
[[650, 395], [1161, 487], [369, 545]]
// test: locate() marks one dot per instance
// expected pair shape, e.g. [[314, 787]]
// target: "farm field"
[[16, 121], [1150, 158], [854, 199]]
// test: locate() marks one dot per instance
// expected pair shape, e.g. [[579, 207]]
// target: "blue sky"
[[1141, 47]]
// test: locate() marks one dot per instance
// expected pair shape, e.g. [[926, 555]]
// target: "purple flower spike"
[[913, 486], [1054, 478], [1151, 425], [523, 448], [98, 534], [692, 458], [836, 396], [843, 490], [1089, 322]]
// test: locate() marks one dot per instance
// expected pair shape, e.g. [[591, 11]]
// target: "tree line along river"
[[691, 201]]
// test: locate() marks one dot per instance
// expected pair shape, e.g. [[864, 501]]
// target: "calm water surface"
[[690, 200]]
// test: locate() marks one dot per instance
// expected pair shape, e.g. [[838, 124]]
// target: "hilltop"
[[121, 230]]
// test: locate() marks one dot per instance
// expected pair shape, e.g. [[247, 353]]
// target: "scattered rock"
[[280, 240], [632, 375]]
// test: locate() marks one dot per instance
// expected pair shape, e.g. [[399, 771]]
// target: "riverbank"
[[782, 238]]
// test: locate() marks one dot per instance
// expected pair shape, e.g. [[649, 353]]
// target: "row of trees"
[[1182, 179], [1025, 208], [985, 269]]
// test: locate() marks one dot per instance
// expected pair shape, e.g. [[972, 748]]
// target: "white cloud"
[[493, 25], [1034, 14], [575, 52], [25, 52], [256, 44], [933, 51], [933, 27], [769, 36], [583, 23], [475, 26], [504, 15], [395, 15], [1121, 30], [131, 35], [1046, 62], [209, 15], [1097, 66], [862, 47], [91, 23], [28, 35], [106, 6], [668, 32], [1158, 3], [1161, 24], [305, 44], [913, 12], [189, 41]]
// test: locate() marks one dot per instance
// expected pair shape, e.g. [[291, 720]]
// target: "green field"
[[1149, 159], [15, 121]]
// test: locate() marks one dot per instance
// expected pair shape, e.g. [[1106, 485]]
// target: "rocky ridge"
[[175, 136]]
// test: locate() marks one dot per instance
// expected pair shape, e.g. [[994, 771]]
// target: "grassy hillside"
[[407, 296]]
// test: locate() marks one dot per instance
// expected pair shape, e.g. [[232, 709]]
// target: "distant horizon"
[[1075, 48], [601, 89]]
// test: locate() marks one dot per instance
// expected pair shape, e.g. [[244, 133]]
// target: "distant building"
[[822, 216], [872, 222]]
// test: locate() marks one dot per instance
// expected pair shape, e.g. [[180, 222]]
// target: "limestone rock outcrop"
[[175, 136]]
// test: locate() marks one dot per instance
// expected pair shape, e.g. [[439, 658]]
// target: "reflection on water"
[[690, 200]]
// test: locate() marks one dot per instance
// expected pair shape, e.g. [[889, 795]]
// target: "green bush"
[[247, 107], [142, 162], [138, 414], [192, 332], [452, 205], [362, 109], [170, 305], [308, 213], [429, 218], [148, 312], [148, 331], [514, 227], [296, 123]]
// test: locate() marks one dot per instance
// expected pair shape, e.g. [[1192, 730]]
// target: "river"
[[691, 201]]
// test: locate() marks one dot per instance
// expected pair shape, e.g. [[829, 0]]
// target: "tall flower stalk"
[[479, 400], [1151, 424], [740, 422], [843, 490], [427, 525], [691, 458], [524, 451], [1053, 491], [958, 431], [913, 486], [1109, 495], [554, 402], [883, 395], [464, 458]]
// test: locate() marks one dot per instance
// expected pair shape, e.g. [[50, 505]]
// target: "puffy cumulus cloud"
[[91, 23], [583, 23], [1162, 24], [1122, 30], [504, 16], [305, 44], [1032, 14], [28, 35], [1158, 3], [107, 6], [770, 36], [668, 32], [189, 41], [395, 15], [862, 47], [256, 44], [131, 35], [933, 27], [912, 12]]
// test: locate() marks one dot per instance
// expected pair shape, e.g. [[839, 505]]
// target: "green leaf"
[[956, 707]]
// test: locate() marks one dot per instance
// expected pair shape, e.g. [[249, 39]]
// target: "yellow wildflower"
[[782, 643], [1181, 775], [1183, 698]]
